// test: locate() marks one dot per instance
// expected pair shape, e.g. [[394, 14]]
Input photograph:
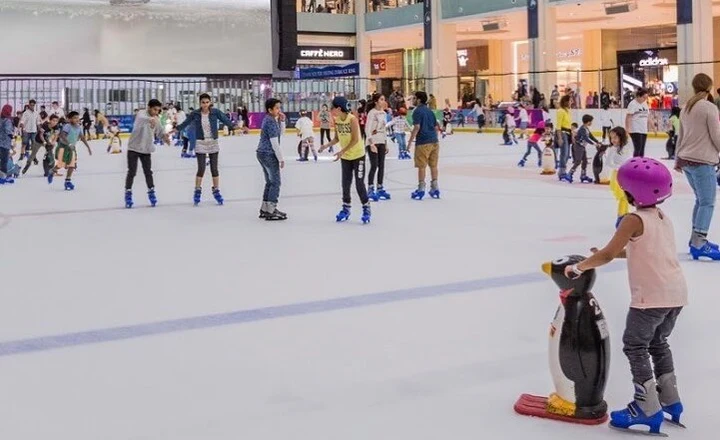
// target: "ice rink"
[[206, 323]]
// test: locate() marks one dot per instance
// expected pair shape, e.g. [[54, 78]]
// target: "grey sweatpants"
[[646, 333]]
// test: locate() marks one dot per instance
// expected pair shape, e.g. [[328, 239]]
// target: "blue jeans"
[[703, 181], [27, 140], [564, 147], [271, 169], [400, 139]]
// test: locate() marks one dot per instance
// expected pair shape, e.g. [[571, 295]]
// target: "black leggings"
[[324, 132], [377, 164], [354, 168], [201, 159], [638, 140], [146, 161]]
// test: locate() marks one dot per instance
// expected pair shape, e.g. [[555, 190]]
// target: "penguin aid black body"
[[579, 353]]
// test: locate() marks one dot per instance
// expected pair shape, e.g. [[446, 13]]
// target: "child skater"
[[66, 153], [376, 130], [114, 131], [271, 160], [205, 122], [146, 129], [400, 127], [617, 155], [606, 122], [351, 156], [509, 129], [583, 137], [533, 144], [658, 293], [304, 127], [46, 137]]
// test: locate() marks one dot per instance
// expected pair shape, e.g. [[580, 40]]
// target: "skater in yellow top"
[[351, 156]]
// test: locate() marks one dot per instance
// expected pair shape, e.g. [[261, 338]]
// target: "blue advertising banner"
[[125, 122], [533, 19], [427, 23], [684, 11], [330, 71]]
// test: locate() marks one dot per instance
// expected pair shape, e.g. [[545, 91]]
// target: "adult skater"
[[351, 156], [658, 293], [271, 159], [325, 124], [427, 149], [141, 145], [6, 139], [564, 135], [375, 131], [205, 125], [698, 147], [29, 123], [636, 121]]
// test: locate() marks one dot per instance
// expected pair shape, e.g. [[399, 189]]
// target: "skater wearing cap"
[[658, 293], [351, 156], [427, 149]]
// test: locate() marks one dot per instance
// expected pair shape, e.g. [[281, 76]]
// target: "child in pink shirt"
[[533, 142], [658, 293]]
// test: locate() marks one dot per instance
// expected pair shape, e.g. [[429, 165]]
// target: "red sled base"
[[536, 406]]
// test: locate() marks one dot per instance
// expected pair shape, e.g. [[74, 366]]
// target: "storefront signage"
[[377, 66], [654, 61], [463, 57], [326, 53], [572, 53], [330, 71]]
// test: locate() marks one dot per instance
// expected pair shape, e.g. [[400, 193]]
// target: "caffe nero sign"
[[326, 53]]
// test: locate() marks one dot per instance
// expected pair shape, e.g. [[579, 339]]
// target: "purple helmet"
[[648, 181]]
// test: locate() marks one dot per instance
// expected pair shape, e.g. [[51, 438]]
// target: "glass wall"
[[327, 6]]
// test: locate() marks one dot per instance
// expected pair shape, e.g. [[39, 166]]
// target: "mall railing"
[[393, 15]]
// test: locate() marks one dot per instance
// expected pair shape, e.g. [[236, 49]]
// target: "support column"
[[441, 66], [695, 43], [591, 62], [542, 42], [363, 50], [502, 63]]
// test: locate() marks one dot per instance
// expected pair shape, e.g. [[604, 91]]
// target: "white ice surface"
[[445, 367]]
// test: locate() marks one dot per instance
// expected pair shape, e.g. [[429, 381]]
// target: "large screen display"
[[121, 37]]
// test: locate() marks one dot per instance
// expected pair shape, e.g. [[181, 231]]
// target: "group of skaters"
[[357, 134], [693, 145]]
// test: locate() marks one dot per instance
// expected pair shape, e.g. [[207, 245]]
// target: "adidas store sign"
[[654, 61]]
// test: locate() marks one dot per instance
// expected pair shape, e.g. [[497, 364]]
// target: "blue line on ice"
[[98, 336]]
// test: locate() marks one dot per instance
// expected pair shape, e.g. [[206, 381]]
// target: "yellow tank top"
[[344, 133]]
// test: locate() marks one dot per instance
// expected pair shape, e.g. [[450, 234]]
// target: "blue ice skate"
[[366, 214], [372, 195], [6, 180], [418, 194], [50, 176], [632, 416], [564, 177], [539, 163], [585, 179], [344, 214], [218, 197], [706, 251], [197, 195], [69, 186], [128, 199], [152, 197], [674, 411], [434, 193], [382, 194], [521, 164]]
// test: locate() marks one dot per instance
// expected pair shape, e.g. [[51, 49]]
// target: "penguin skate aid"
[[646, 239], [579, 353]]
